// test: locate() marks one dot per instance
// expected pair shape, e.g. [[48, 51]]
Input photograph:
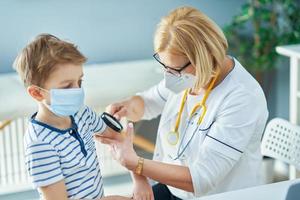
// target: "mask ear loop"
[[41, 88]]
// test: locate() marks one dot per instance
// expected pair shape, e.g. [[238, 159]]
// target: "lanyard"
[[173, 135]]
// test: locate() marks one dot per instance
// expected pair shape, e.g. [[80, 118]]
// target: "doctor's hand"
[[122, 149], [115, 197], [111, 134], [132, 109]]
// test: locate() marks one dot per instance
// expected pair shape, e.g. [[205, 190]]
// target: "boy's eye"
[[73, 84], [67, 86]]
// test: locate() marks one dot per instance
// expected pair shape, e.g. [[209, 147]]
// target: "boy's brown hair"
[[40, 57]]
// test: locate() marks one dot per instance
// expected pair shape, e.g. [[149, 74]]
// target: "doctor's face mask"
[[176, 79], [179, 83]]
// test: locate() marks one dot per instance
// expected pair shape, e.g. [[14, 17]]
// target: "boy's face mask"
[[65, 102]]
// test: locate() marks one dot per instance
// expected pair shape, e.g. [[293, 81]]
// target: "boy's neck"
[[46, 116]]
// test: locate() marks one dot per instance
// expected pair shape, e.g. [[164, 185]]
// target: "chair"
[[293, 192], [281, 141]]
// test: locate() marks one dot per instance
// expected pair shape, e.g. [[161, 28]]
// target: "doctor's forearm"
[[173, 175]]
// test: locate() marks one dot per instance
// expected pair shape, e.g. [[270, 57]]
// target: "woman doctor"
[[213, 113]]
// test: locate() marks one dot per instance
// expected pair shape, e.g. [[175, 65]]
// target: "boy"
[[60, 150]]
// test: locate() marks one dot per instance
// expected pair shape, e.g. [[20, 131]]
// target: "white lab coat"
[[224, 153]]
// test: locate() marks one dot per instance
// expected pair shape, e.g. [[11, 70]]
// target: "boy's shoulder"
[[34, 140], [34, 131], [35, 135], [39, 132]]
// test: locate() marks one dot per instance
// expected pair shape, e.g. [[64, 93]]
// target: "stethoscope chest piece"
[[173, 137]]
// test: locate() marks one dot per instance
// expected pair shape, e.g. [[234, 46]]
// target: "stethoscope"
[[173, 136]]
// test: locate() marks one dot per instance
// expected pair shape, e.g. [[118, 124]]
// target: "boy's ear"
[[35, 93]]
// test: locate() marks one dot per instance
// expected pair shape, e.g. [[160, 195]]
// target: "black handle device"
[[112, 122]]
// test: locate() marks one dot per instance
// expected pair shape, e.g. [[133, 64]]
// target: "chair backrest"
[[293, 192], [281, 141]]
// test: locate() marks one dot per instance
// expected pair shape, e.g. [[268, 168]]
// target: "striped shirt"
[[53, 155]]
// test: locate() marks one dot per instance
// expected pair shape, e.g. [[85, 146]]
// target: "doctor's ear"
[[35, 93]]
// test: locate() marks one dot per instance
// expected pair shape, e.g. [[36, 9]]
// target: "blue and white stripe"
[[53, 155]]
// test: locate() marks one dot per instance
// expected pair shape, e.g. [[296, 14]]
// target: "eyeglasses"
[[176, 72]]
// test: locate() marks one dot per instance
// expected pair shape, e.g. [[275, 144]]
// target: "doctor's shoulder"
[[240, 100]]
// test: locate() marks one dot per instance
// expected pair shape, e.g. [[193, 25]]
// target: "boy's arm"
[[56, 191], [99, 127], [115, 198], [43, 165], [97, 124]]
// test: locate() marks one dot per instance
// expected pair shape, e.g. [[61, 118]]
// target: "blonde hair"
[[40, 57], [188, 32]]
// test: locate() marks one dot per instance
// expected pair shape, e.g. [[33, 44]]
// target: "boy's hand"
[[142, 190]]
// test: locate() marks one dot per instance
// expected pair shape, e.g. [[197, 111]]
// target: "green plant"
[[262, 25]]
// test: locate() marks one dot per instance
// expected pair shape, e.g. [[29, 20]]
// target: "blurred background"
[[117, 38]]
